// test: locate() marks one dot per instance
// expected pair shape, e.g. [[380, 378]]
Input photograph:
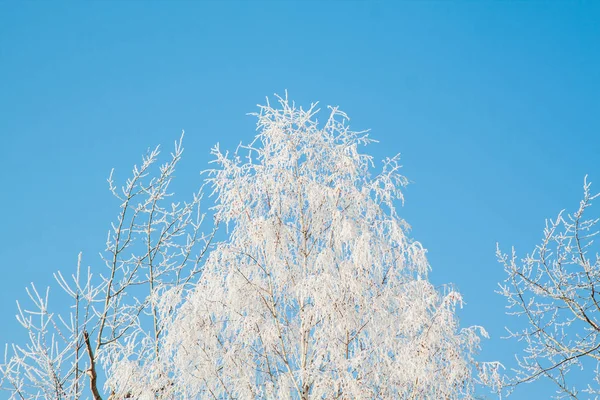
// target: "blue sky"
[[495, 107]]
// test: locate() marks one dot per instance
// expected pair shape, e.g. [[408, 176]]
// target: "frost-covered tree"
[[318, 292], [555, 289], [154, 245]]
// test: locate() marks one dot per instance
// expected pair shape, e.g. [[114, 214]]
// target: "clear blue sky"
[[495, 107]]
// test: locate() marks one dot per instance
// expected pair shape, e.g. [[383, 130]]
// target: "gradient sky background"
[[495, 107]]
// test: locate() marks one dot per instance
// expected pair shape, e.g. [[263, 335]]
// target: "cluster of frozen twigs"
[[153, 246], [556, 290]]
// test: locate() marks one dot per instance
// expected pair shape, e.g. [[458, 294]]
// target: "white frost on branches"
[[318, 292], [555, 289], [153, 247]]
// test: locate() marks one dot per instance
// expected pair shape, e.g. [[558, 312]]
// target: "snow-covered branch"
[[154, 247], [555, 290]]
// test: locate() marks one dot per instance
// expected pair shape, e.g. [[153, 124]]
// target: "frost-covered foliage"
[[556, 290], [318, 292], [153, 245]]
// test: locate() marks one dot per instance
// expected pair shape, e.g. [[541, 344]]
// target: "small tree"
[[318, 292], [152, 246], [556, 289]]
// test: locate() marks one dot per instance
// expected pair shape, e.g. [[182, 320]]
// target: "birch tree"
[[555, 291], [318, 292], [153, 246]]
